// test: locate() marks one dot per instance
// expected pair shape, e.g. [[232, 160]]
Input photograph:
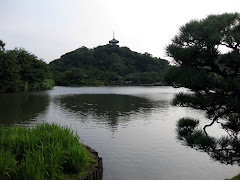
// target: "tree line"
[[20, 71]]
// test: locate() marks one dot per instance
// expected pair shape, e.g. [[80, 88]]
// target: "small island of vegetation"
[[108, 65], [47, 151]]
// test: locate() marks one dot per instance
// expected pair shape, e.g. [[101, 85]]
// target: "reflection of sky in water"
[[131, 90]]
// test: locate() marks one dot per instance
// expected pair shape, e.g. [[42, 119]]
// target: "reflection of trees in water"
[[19, 108], [108, 108]]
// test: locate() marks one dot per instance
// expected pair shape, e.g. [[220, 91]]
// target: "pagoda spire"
[[113, 42]]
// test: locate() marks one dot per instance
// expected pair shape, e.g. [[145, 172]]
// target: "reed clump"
[[47, 151]]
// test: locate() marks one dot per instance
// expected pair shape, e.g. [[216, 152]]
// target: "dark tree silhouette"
[[207, 56]]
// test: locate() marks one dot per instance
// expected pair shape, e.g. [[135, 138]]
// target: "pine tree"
[[207, 55]]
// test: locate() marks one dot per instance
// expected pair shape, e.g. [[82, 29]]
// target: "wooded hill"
[[107, 65]]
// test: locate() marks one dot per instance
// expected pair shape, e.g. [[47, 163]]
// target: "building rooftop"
[[114, 41]]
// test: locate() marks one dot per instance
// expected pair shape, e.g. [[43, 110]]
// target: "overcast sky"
[[51, 28]]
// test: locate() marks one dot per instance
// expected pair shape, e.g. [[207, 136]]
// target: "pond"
[[132, 128]]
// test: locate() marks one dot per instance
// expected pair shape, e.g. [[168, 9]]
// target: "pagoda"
[[113, 42]]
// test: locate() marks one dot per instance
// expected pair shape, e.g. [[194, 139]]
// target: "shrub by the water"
[[47, 151]]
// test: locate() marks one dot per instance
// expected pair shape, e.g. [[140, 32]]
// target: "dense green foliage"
[[213, 76], [21, 70], [105, 65], [236, 177], [43, 152]]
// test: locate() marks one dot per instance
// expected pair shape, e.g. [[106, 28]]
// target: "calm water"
[[132, 128]]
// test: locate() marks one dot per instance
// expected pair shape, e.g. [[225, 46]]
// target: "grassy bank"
[[47, 151], [236, 177]]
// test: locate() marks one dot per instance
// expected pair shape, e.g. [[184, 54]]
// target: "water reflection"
[[109, 109], [18, 108], [143, 145]]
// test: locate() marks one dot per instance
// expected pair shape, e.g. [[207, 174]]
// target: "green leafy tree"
[[207, 56], [21, 70], [10, 79]]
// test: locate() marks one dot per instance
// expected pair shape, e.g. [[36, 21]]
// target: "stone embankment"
[[96, 173]]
